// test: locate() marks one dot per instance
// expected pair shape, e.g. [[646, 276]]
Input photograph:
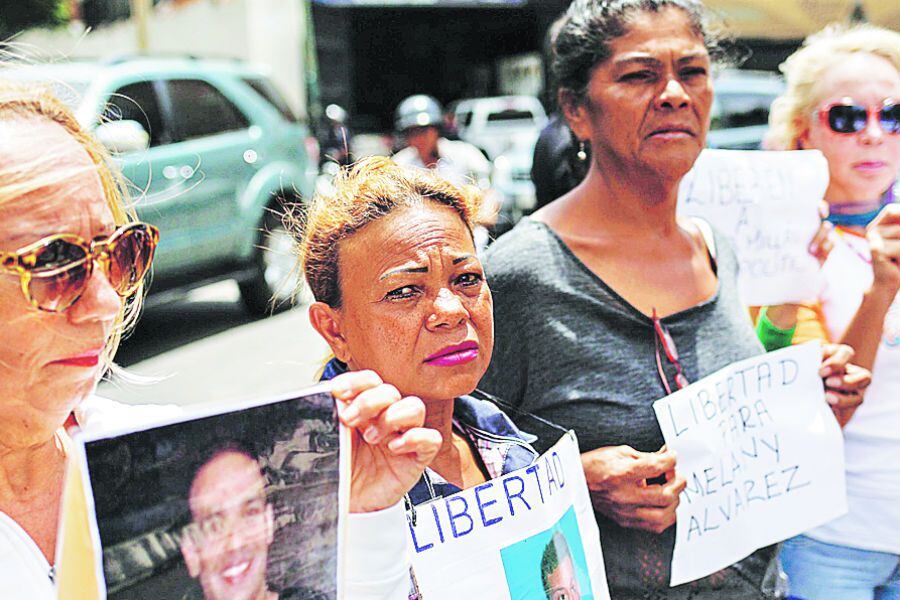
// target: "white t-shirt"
[[24, 572], [872, 437], [376, 560]]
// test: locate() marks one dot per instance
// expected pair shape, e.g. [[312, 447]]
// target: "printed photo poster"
[[762, 455], [528, 535], [767, 205], [238, 503]]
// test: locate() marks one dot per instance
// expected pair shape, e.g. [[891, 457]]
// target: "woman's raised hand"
[[390, 447], [617, 477], [822, 242]]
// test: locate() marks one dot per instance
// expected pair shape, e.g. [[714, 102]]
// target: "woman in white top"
[[72, 261], [843, 90]]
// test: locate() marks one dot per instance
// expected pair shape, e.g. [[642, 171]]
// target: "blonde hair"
[[365, 192], [806, 67], [23, 101]]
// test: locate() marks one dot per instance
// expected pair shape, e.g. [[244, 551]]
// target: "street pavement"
[[222, 355]]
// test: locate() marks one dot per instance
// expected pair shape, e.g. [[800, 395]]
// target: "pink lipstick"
[[452, 356], [869, 166]]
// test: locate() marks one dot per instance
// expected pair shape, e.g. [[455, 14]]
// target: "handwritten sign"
[[762, 455], [767, 204], [528, 534]]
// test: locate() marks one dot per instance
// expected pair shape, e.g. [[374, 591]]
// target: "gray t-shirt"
[[569, 349]]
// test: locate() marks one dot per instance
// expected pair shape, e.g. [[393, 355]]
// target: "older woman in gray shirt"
[[605, 300]]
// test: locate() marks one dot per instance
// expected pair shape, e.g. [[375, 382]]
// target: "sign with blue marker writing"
[[762, 455], [528, 535]]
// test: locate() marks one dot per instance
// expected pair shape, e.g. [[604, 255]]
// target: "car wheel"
[[276, 282]]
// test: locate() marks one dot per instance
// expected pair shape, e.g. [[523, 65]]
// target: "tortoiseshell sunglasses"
[[55, 271]]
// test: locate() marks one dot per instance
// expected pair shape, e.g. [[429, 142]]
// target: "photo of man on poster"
[[241, 504], [226, 545], [558, 570]]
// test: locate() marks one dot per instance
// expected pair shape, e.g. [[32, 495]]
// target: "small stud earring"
[[582, 152]]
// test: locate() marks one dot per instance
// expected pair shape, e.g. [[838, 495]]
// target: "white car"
[[499, 123]]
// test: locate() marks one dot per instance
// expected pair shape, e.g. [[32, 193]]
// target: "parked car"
[[211, 151], [498, 123], [740, 111]]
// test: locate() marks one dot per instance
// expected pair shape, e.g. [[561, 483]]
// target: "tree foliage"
[[18, 15]]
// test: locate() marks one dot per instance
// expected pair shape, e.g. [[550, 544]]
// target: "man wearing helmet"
[[418, 119]]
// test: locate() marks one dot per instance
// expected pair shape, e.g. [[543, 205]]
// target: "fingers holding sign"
[[390, 447], [883, 235], [822, 243], [617, 477], [845, 383]]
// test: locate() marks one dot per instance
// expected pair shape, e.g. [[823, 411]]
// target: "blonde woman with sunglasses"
[[843, 98], [72, 263]]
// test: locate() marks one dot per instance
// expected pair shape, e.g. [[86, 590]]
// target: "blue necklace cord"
[[838, 217]]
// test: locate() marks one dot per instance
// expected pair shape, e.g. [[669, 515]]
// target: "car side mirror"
[[121, 137]]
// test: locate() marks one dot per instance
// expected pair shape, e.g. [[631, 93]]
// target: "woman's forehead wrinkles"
[[424, 252], [680, 56], [29, 139], [406, 236], [65, 194], [870, 79], [78, 208], [419, 237]]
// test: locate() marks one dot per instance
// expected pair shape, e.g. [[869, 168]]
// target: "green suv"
[[212, 151]]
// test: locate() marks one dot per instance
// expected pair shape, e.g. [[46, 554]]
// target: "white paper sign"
[[529, 535], [767, 204], [762, 455]]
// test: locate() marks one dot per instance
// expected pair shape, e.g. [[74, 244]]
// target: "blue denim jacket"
[[502, 446]]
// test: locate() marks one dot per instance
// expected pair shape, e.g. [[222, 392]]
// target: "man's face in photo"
[[563, 582], [227, 544]]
